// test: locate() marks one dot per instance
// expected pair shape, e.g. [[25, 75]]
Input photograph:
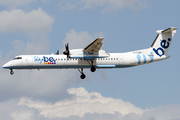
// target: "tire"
[[83, 76], [93, 69]]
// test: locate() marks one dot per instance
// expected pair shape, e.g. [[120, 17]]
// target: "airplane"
[[94, 57]]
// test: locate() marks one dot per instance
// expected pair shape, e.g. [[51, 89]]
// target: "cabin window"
[[111, 58], [116, 58]]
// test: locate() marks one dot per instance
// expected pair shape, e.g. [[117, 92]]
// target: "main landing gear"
[[93, 69], [11, 72], [82, 74]]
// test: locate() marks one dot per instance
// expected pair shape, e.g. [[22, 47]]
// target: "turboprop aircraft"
[[94, 57]]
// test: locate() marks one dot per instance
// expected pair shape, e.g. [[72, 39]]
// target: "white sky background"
[[149, 92]]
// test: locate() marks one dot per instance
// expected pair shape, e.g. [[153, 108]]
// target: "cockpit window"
[[16, 58]]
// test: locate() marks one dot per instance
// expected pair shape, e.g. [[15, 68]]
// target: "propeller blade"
[[67, 47], [67, 50]]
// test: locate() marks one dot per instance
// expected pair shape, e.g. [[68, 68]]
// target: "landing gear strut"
[[93, 69], [82, 74], [11, 72]]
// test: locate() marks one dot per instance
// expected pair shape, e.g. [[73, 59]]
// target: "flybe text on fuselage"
[[46, 60]]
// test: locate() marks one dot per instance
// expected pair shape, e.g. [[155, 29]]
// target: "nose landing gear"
[[11, 72]]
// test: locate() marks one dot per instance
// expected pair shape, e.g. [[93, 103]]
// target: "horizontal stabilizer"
[[169, 30]]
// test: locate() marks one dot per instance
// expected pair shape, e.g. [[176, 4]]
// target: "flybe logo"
[[139, 56], [164, 44], [46, 60]]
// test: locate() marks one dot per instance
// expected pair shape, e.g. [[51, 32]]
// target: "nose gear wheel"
[[11, 72]]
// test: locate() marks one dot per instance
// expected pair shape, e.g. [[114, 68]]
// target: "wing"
[[95, 46]]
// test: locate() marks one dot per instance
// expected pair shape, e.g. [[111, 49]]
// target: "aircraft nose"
[[7, 66]]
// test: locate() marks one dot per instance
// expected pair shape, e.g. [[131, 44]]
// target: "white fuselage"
[[115, 60]]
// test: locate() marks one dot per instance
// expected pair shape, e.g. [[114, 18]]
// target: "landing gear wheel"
[[83, 76], [93, 69], [11, 72]]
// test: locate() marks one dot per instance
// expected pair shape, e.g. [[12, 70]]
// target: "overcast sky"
[[147, 92]]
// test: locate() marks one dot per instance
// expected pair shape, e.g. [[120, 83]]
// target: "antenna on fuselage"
[[57, 53]]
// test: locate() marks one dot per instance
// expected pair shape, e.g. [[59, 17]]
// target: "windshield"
[[17, 58]]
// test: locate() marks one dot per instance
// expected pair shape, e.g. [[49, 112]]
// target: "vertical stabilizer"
[[163, 41]]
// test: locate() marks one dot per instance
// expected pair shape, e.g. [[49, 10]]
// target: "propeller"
[[67, 50], [57, 53]]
